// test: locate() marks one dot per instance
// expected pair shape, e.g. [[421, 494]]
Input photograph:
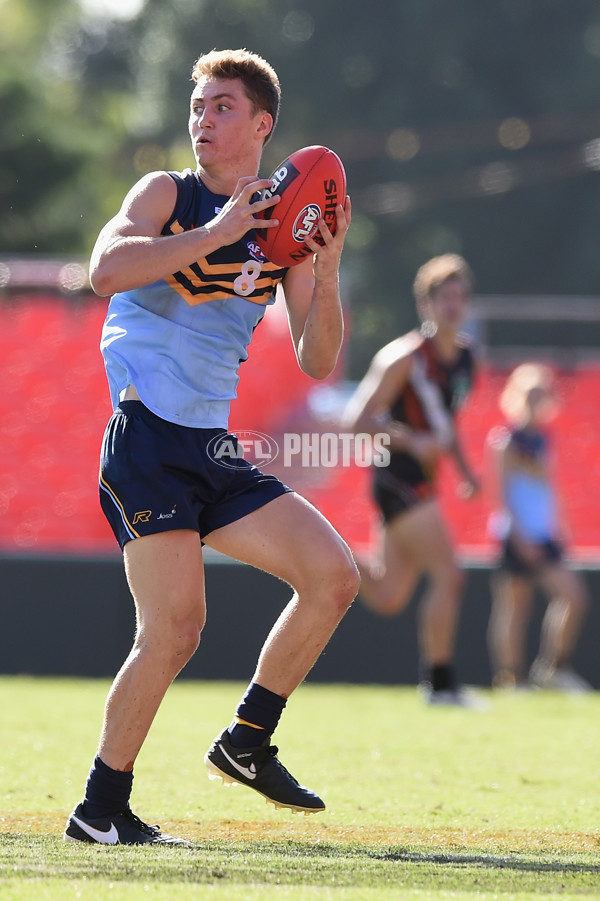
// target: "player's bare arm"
[[471, 482], [313, 300], [131, 252], [369, 409]]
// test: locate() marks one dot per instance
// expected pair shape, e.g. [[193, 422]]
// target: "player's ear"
[[265, 125]]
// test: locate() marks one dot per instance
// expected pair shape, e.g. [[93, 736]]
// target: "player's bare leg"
[[512, 598], [417, 542], [291, 540], [166, 578], [424, 533], [388, 580], [561, 627]]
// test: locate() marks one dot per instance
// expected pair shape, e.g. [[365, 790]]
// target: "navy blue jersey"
[[529, 444], [180, 341], [217, 276], [434, 392]]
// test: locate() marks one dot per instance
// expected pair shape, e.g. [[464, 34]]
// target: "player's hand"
[[426, 448], [326, 260], [468, 488], [237, 217]]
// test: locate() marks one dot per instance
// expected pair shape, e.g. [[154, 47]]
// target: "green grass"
[[422, 803]]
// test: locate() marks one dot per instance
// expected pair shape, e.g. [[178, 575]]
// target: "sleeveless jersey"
[[182, 339], [529, 495], [434, 392]]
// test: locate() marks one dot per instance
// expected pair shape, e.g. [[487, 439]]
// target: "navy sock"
[[107, 790], [256, 717], [442, 677]]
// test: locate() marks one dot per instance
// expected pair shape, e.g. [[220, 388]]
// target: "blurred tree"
[[61, 131], [464, 126]]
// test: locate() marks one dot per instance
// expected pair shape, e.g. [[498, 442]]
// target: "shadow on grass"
[[296, 851], [517, 860], [483, 860], [266, 862]]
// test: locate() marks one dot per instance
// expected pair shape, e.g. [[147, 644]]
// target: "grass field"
[[422, 803]]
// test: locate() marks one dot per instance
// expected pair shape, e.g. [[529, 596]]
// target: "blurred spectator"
[[528, 524]]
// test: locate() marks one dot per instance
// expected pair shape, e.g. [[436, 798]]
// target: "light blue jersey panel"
[[531, 505], [182, 359]]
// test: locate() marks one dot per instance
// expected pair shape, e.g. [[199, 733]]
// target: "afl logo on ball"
[[306, 222]]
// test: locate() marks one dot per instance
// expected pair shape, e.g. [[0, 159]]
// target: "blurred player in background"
[[411, 391], [532, 546], [189, 286]]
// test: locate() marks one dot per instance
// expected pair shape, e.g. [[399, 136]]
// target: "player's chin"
[[204, 151]]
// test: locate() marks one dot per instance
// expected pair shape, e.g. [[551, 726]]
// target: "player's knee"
[[329, 579], [452, 580], [352, 582], [334, 581], [186, 640], [344, 582], [390, 601], [174, 641], [578, 599]]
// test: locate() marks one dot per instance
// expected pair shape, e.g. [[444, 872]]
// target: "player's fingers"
[[248, 184], [326, 236], [343, 216], [348, 210], [251, 183], [265, 223], [249, 189], [264, 203]]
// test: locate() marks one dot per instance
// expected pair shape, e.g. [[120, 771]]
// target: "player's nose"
[[202, 119]]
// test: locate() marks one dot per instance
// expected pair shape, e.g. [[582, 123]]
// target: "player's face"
[[541, 405], [223, 126], [449, 303]]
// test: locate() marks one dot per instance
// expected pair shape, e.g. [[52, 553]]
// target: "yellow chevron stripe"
[[194, 299]]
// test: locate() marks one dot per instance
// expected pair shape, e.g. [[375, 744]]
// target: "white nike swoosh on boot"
[[248, 771], [111, 837]]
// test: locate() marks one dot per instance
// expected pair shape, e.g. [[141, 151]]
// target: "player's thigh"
[[401, 567], [559, 581], [290, 539], [424, 538], [165, 573], [513, 593]]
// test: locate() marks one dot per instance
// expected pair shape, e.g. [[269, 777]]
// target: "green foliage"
[[464, 126]]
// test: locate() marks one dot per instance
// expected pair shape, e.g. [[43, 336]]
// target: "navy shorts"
[[156, 476], [512, 561], [394, 496]]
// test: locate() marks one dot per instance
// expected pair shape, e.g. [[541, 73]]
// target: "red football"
[[311, 182]]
